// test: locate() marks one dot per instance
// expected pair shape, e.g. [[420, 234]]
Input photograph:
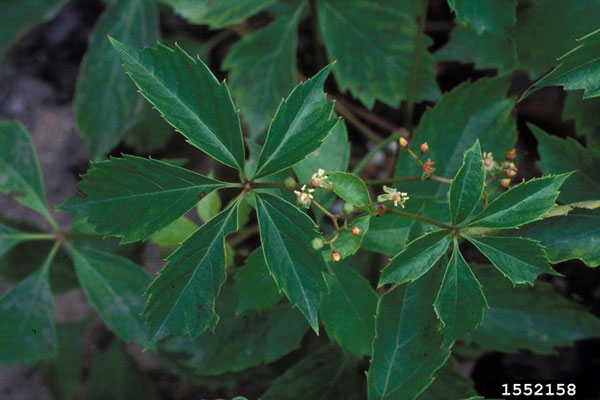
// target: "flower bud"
[[355, 231], [348, 209], [335, 256], [505, 183], [424, 147], [511, 154], [290, 183], [428, 167], [317, 243], [511, 172], [403, 142]]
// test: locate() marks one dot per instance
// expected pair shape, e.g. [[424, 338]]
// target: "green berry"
[[317, 243], [290, 183], [348, 209]]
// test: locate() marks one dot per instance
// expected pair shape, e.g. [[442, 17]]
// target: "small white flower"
[[318, 178], [392, 194], [304, 196], [488, 162]]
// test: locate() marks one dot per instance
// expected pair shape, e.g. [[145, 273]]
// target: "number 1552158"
[[539, 389]]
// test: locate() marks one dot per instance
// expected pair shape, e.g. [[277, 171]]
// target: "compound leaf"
[[134, 197], [520, 260], [521, 204], [181, 299], [301, 123], [189, 97], [467, 186], [416, 259], [350, 188], [286, 234], [395, 63], [105, 99], [114, 285], [493, 16], [254, 285]]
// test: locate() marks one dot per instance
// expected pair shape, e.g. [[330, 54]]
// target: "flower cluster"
[[304, 196]]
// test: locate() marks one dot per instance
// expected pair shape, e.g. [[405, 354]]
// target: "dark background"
[[37, 83]]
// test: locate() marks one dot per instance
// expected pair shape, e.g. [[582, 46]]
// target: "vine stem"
[[379, 146], [417, 217], [436, 178]]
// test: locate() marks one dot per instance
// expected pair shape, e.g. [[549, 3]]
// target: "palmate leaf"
[[409, 346], [286, 234], [239, 341], [568, 237], [395, 64], [586, 116], [348, 310], [217, 14], [578, 69], [189, 97], [460, 302], [493, 16], [114, 285], [134, 197], [19, 168], [565, 155], [532, 318], [105, 99], [387, 234], [260, 79], [523, 203], [27, 318], [469, 112], [17, 17], [254, 285], [127, 381], [520, 260], [301, 123], [467, 186], [416, 259], [326, 373], [181, 299]]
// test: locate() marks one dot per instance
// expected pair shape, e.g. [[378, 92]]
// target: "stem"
[[34, 236], [418, 218], [407, 179], [324, 210], [368, 115], [379, 146], [50, 257], [362, 128], [83, 235]]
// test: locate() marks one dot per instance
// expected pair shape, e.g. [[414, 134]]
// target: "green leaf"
[[254, 285], [301, 123], [408, 346], [114, 285], [493, 16], [520, 260], [286, 234], [189, 97], [19, 167], [18, 17], [27, 317], [586, 116], [63, 371], [394, 62], [181, 299], [101, 79], [565, 155], [532, 318], [217, 14], [460, 303], [135, 197], [486, 51], [175, 233], [333, 155], [209, 206], [324, 374], [416, 259], [350, 188], [347, 244], [467, 186], [574, 236], [260, 79], [127, 381], [449, 384], [521, 204], [469, 112], [348, 310], [577, 69], [241, 341]]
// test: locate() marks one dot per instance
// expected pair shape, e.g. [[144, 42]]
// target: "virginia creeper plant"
[[437, 256]]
